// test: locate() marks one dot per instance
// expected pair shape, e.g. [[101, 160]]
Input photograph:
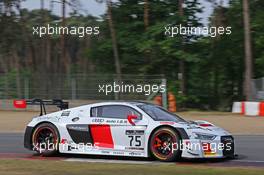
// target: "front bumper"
[[226, 151], [221, 147]]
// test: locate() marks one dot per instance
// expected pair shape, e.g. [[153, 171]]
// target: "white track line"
[[140, 162], [249, 161], [114, 161]]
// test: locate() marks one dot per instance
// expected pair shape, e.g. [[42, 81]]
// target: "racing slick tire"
[[165, 145], [45, 139]]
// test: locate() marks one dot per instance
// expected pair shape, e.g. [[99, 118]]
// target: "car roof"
[[123, 103]]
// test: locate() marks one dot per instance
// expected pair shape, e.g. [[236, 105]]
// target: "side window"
[[114, 111]]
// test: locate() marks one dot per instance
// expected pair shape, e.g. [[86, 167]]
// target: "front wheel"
[[165, 144], [45, 139]]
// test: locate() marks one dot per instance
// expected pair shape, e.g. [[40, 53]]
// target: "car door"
[[118, 127]]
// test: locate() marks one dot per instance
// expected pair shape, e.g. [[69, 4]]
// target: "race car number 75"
[[136, 140]]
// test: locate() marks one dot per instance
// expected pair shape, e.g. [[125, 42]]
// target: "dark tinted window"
[[160, 114], [114, 111]]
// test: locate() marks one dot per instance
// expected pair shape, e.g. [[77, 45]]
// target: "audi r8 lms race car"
[[134, 129]]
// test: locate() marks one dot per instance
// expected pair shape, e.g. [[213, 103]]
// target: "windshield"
[[160, 114]]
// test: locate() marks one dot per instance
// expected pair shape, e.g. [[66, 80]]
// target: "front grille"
[[228, 142]]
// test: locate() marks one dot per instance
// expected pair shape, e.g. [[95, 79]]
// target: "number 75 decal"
[[135, 140]]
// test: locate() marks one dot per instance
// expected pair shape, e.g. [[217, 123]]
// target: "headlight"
[[203, 136]]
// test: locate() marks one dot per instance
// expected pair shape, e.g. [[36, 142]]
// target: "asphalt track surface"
[[250, 151]]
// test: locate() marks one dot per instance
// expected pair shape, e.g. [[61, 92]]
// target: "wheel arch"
[[180, 131], [40, 123]]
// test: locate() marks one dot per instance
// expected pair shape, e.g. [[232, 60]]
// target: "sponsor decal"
[[135, 154], [98, 120], [49, 118], [65, 113], [78, 127], [116, 121], [134, 132], [70, 148], [134, 148], [105, 152], [118, 153]]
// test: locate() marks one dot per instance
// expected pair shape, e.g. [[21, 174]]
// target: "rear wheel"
[[165, 144], [45, 139]]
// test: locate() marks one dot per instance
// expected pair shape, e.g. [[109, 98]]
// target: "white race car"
[[135, 129]]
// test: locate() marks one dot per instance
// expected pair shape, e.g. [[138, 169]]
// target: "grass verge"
[[40, 167]]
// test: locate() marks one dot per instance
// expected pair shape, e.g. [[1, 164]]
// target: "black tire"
[[164, 145], [45, 139]]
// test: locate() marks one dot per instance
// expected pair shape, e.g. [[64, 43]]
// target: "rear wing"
[[42, 103]]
